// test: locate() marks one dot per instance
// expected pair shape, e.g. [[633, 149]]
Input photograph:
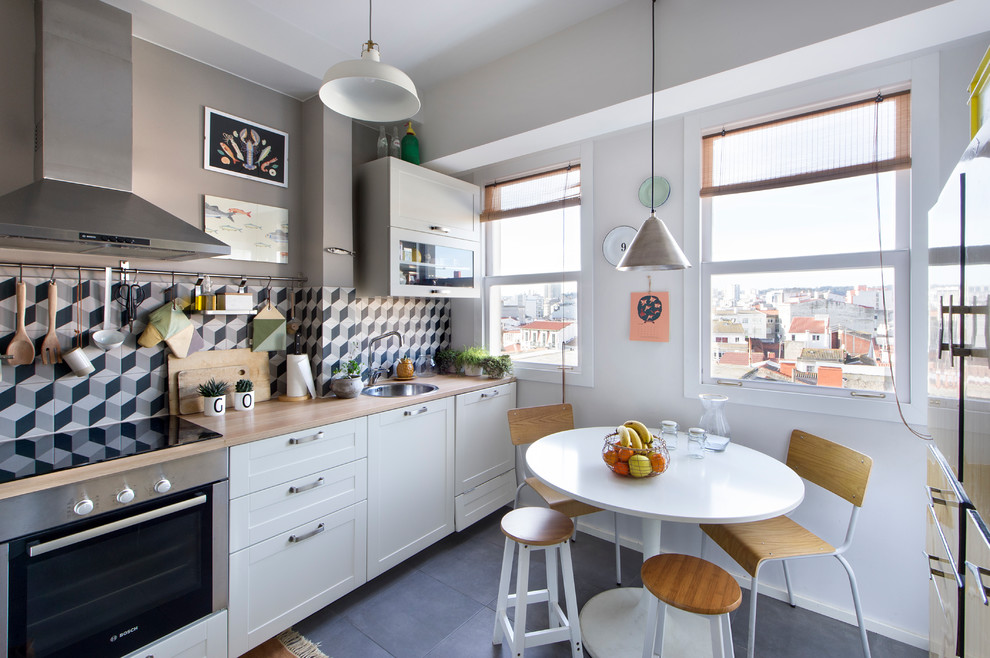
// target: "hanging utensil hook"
[[51, 279], [268, 292]]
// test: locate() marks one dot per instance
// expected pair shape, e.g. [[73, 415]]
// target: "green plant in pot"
[[244, 395], [469, 360], [446, 361], [214, 394], [497, 367], [347, 382]]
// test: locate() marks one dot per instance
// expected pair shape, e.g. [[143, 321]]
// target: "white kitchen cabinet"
[[206, 638], [298, 527], [418, 232], [484, 454], [410, 481]]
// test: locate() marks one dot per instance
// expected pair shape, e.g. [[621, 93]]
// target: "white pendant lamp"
[[653, 248], [368, 90]]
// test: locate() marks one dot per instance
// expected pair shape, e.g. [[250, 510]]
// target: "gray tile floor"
[[441, 603]]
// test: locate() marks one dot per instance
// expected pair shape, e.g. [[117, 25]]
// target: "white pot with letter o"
[[244, 401]]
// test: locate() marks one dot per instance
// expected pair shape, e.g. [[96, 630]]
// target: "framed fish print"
[[253, 231], [243, 148], [649, 316]]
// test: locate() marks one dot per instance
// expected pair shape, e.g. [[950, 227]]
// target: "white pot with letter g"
[[215, 406]]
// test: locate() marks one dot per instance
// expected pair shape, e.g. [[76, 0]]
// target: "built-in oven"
[[105, 566]]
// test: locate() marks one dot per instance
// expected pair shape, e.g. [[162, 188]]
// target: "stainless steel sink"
[[398, 389]]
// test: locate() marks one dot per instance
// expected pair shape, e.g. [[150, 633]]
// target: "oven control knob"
[[125, 495], [83, 507], [162, 486]]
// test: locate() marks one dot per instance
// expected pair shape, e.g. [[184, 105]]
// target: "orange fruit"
[[610, 456], [657, 460], [625, 453], [621, 468]]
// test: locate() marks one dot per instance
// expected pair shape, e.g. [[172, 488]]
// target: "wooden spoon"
[[20, 348], [50, 350]]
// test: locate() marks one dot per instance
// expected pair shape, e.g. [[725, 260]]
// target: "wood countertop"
[[267, 419]]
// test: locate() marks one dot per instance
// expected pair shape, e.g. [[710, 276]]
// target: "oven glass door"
[[111, 585]]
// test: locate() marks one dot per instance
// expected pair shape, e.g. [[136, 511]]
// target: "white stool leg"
[[503, 591], [787, 581], [721, 636], [751, 647], [522, 593], [618, 548], [728, 651], [553, 595], [650, 634], [570, 599]]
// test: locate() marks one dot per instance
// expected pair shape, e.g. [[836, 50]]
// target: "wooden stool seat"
[[691, 584], [537, 526]]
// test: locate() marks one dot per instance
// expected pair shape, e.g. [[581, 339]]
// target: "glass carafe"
[[713, 419]]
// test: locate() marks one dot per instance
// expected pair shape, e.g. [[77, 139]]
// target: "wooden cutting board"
[[186, 374]]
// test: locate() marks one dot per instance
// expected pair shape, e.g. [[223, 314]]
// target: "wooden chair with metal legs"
[[531, 423], [694, 585], [840, 470]]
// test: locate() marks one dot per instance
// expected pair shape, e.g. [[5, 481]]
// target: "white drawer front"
[[268, 512], [394, 419], [283, 580], [484, 499], [262, 464], [206, 638]]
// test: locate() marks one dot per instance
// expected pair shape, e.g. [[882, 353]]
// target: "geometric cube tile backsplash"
[[130, 382]]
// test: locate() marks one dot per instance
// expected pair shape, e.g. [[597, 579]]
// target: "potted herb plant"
[[347, 382], [214, 394], [469, 360], [445, 361], [244, 395], [497, 367]]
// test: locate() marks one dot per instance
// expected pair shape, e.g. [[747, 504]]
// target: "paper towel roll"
[[299, 377]]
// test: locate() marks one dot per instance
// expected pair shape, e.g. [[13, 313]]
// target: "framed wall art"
[[649, 316], [243, 148], [253, 231]]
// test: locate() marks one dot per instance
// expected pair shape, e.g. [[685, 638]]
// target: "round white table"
[[733, 486]]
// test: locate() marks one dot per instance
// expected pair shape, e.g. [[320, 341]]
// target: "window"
[[533, 285], [792, 286]]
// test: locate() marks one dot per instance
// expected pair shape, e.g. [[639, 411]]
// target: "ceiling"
[[287, 45]]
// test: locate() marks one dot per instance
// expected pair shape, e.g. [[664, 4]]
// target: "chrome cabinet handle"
[[489, 396], [975, 570], [306, 439], [295, 539], [945, 545], [440, 229], [421, 410], [306, 487]]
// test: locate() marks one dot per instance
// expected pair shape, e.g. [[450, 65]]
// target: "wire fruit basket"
[[635, 462]]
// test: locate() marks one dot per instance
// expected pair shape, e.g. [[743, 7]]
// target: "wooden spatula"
[[50, 350], [20, 348]]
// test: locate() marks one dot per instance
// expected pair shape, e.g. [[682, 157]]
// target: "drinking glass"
[[696, 442], [668, 432]]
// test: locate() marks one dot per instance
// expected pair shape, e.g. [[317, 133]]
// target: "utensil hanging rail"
[[128, 270]]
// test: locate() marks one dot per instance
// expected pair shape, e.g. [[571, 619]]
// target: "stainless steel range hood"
[[81, 201]]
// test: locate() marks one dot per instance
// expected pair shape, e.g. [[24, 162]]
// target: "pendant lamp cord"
[[653, 100], [369, 21]]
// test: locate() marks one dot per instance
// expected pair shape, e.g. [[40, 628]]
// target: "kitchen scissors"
[[130, 296]]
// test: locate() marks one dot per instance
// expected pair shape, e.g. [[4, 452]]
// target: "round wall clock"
[[616, 242]]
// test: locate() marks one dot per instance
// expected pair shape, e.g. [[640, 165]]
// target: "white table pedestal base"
[[613, 623]]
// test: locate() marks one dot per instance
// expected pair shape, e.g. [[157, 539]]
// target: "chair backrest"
[[532, 423], [843, 471]]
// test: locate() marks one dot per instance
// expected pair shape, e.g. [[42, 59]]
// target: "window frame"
[[911, 240], [583, 374]]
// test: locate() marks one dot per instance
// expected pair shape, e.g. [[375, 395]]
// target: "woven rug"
[[287, 644]]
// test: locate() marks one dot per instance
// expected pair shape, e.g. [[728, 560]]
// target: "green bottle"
[[410, 145]]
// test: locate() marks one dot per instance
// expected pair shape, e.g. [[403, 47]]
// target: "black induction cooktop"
[[47, 453]]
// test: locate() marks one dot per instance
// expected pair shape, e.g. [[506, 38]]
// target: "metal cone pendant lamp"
[[368, 90], [653, 248]]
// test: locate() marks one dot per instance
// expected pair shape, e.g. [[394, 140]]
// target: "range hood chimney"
[[81, 200]]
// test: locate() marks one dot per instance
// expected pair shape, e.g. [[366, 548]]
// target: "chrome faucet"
[[375, 373]]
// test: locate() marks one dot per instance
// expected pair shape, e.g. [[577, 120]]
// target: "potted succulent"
[[497, 367], [445, 361], [469, 360], [244, 395], [214, 394], [347, 382]]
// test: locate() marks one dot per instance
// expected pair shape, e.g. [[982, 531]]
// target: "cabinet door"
[[976, 626], [433, 266], [410, 481], [206, 638], [483, 447], [428, 201], [283, 580]]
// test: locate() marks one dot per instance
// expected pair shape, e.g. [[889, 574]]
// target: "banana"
[[640, 429], [623, 436], [634, 438]]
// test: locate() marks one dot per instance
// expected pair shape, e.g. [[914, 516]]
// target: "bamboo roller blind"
[[852, 139], [549, 190]]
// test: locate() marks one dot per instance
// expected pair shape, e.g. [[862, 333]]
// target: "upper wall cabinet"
[[418, 232]]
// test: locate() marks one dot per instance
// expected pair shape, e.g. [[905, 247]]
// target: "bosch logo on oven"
[[114, 638]]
